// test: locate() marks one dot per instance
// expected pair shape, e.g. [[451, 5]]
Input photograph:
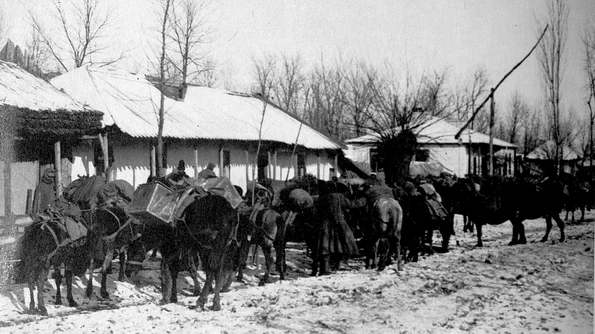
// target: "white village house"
[[210, 125], [39, 126], [438, 146]]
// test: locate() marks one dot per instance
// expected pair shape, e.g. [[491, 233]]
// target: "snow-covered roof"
[[547, 151], [131, 102], [439, 131], [237, 116], [19, 88]]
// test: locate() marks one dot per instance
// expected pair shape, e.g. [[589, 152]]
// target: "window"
[[301, 164], [375, 161], [98, 157]]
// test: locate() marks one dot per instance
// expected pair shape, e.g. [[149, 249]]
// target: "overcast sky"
[[427, 35]]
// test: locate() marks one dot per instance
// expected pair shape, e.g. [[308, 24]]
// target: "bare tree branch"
[[78, 35]]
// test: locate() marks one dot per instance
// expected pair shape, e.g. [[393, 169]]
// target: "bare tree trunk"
[[397, 153], [162, 58], [551, 54]]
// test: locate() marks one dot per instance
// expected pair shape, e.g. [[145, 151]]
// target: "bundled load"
[[433, 201], [155, 203]]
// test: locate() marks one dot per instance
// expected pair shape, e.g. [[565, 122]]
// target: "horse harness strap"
[[58, 243], [115, 234]]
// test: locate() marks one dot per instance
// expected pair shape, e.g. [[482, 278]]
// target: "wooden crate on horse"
[[153, 203]]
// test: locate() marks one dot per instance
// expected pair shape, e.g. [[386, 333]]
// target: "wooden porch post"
[[58, 167], [153, 161], [269, 165], [196, 161], [275, 165], [247, 168], [221, 167]]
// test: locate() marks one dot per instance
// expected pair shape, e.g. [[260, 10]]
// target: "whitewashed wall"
[[132, 162], [23, 176], [453, 157], [358, 153]]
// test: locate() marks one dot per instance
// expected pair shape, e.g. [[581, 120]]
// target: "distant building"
[[440, 149], [541, 159]]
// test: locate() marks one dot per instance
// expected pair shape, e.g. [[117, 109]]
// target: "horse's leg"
[[40, 281], [166, 281], [243, 258], [122, 257], [445, 231], [107, 262], [548, 227], [560, 226], [103, 289], [89, 290], [521, 232], [219, 282], [582, 213], [69, 296], [174, 284], [268, 258], [255, 255], [193, 265], [206, 289], [478, 227], [280, 244], [515, 232], [31, 282], [279, 259], [566, 216], [58, 280]]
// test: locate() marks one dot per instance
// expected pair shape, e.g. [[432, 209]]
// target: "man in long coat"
[[45, 193], [335, 236]]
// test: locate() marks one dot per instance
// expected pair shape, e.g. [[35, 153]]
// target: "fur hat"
[[211, 165], [181, 165]]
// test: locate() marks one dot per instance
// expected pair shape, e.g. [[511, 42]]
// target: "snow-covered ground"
[[533, 288]]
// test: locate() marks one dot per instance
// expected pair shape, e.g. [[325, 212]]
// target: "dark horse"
[[45, 244], [267, 231], [209, 227], [112, 230], [514, 199], [382, 232], [262, 226]]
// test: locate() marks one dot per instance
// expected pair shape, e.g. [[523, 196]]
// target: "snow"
[[532, 288]]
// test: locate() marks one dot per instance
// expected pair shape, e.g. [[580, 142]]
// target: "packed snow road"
[[532, 288]]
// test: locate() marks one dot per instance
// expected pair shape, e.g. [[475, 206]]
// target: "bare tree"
[[77, 34], [400, 110], [325, 110], [37, 54], [264, 75], [551, 61], [534, 131], [589, 42], [290, 85], [358, 92], [189, 32], [516, 119], [163, 32]]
